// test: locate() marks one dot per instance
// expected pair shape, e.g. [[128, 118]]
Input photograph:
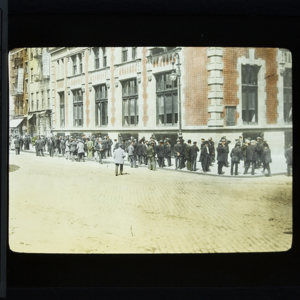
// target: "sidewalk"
[[278, 167]]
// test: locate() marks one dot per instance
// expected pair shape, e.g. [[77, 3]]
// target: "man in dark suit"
[[160, 150], [145, 147], [221, 156], [17, 145], [109, 144], [211, 147], [168, 152], [205, 160], [202, 144], [194, 153], [289, 159], [178, 154], [236, 155], [251, 157]]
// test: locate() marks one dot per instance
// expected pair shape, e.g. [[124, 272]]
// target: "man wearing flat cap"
[[151, 156], [221, 156], [211, 147], [201, 146], [178, 154], [168, 152], [259, 151], [160, 150], [205, 160], [251, 157]]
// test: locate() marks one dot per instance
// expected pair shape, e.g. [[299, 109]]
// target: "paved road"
[[56, 205]]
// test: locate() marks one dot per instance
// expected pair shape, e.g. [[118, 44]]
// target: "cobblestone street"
[[56, 205]]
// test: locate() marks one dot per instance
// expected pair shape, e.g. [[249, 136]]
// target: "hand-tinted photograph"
[[88, 125]]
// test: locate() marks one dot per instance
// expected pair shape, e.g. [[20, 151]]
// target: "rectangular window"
[[42, 99], [80, 63], [31, 72], [62, 108], [32, 103], [74, 60], [104, 57], [167, 100], [230, 115], [249, 94], [133, 52], [287, 96], [37, 101], [130, 102], [101, 105], [48, 101], [77, 108], [124, 54], [96, 58]]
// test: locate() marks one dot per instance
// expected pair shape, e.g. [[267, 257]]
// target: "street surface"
[[59, 206]]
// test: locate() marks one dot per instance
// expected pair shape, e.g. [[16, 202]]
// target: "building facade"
[[39, 105], [124, 91], [18, 87]]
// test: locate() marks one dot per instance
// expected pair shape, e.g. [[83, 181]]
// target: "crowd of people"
[[153, 153]]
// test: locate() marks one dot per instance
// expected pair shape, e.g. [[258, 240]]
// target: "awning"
[[29, 117], [15, 123]]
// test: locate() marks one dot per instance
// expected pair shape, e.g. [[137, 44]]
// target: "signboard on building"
[[20, 80], [46, 64]]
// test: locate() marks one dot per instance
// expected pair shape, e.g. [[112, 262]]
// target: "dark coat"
[[109, 142], [194, 151], [266, 156], [139, 149], [160, 150], [221, 153], [204, 152], [187, 151], [168, 150], [236, 154], [251, 153], [178, 148], [144, 149], [50, 144], [63, 144], [17, 143], [289, 156]]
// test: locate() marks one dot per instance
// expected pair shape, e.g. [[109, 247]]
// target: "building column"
[[215, 82]]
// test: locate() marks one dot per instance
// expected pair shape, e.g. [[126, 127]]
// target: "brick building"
[[129, 91]]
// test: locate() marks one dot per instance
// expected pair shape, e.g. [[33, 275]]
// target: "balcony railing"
[[15, 91]]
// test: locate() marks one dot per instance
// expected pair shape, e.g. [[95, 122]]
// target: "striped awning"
[[15, 123]]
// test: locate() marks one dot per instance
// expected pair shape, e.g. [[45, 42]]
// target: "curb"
[[185, 171]]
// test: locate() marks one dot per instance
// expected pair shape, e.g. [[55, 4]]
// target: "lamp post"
[[173, 77]]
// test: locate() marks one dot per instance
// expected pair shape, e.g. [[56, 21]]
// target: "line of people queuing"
[[253, 153]]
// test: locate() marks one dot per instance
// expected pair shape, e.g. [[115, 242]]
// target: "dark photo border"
[[204, 274]]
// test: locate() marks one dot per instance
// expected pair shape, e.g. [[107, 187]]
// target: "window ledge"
[[98, 70], [76, 75]]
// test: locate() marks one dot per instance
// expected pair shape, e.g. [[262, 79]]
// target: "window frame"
[[104, 56], [124, 54], [163, 90], [101, 100], [96, 58], [249, 88], [130, 94], [77, 108], [62, 108], [74, 64]]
